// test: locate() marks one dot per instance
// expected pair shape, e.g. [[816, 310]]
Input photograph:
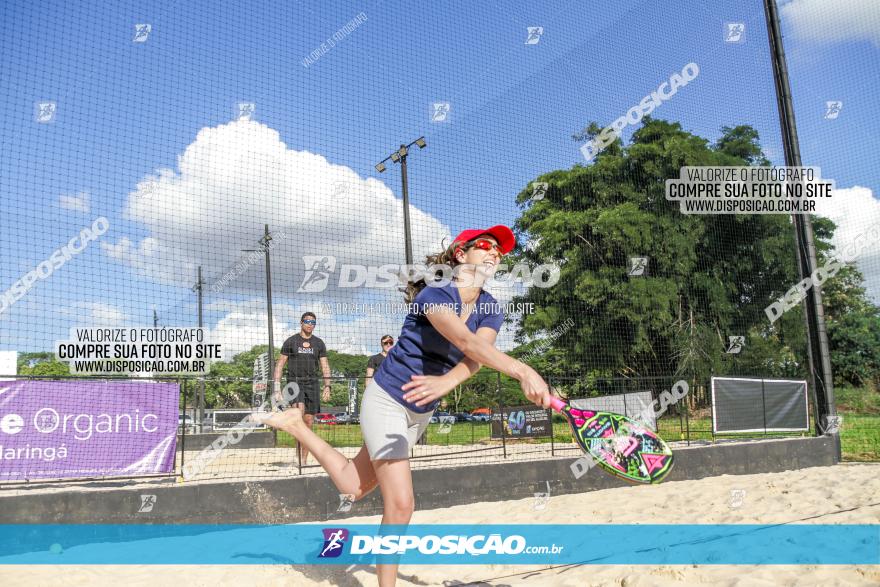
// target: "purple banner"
[[64, 429]]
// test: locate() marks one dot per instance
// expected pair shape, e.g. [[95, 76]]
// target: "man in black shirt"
[[376, 360], [304, 353]]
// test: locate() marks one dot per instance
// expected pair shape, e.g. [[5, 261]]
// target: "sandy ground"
[[848, 493]]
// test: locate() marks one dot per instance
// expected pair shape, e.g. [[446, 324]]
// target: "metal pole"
[[550, 415], [680, 420], [819, 357], [183, 437], [201, 398], [764, 405], [687, 422], [406, 228], [265, 242], [270, 383], [501, 407]]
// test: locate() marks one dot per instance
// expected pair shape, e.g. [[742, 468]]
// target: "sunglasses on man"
[[387, 342], [312, 322]]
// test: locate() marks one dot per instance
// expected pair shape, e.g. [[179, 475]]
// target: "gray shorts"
[[389, 428]]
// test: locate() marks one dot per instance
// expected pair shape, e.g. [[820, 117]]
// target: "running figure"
[[447, 336]]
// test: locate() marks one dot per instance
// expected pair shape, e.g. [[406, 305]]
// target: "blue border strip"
[[669, 544]]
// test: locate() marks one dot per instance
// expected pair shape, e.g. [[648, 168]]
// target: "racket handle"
[[557, 404]]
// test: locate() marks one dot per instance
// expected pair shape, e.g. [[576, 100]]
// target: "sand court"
[[843, 494]]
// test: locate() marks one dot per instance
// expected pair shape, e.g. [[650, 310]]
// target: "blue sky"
[[126, 111]]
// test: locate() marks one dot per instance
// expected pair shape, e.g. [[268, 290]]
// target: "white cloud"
[[240, 331], [854, 210], [235, 178], [79, 202], [830, 22], [96, 315]]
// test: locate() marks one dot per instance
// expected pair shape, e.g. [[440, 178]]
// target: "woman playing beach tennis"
[[447, 336]]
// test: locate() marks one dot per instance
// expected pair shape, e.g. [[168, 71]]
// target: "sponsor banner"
[[261, 379], [309, 544], [352, 396], [521, 422], [66, 429], [234, 420]]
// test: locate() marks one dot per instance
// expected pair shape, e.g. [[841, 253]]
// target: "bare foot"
[[288, 420]]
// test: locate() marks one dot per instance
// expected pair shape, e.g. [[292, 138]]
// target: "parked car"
[[440, 417], [325, 419], [342, 417]]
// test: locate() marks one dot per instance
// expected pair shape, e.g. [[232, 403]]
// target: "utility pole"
[[266, 247], [267, 238], [201, 394]]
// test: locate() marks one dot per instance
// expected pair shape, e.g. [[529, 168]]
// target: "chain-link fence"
[[232, 169], [497, 427]]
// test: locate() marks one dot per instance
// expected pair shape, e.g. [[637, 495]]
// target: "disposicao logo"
[[334, 539]]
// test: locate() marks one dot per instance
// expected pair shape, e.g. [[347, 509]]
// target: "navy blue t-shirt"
[[422, 350]]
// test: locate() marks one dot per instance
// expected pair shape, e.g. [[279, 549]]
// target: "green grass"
[[860, 437], [860, 433], [336, 435], [350, 434], [857, 401]]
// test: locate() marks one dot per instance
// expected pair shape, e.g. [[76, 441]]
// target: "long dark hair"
[[446, 257]]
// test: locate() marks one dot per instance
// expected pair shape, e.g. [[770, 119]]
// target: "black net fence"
[[169, 165]]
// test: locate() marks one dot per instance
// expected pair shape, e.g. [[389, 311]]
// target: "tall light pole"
[[399, 156], [265, 247]]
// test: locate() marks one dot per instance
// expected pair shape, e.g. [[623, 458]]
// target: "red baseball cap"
[[502, 234]]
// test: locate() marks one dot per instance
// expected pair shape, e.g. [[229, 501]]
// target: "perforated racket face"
[[620, 445]]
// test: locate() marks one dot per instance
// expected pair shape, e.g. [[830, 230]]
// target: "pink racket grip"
[[556, 403]]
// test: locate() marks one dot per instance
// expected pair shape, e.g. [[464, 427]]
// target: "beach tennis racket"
[[619, 445]]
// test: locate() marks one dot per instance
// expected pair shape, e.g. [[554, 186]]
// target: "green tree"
[[852, 320], [708, 276], [42, 364], [345, 365]]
